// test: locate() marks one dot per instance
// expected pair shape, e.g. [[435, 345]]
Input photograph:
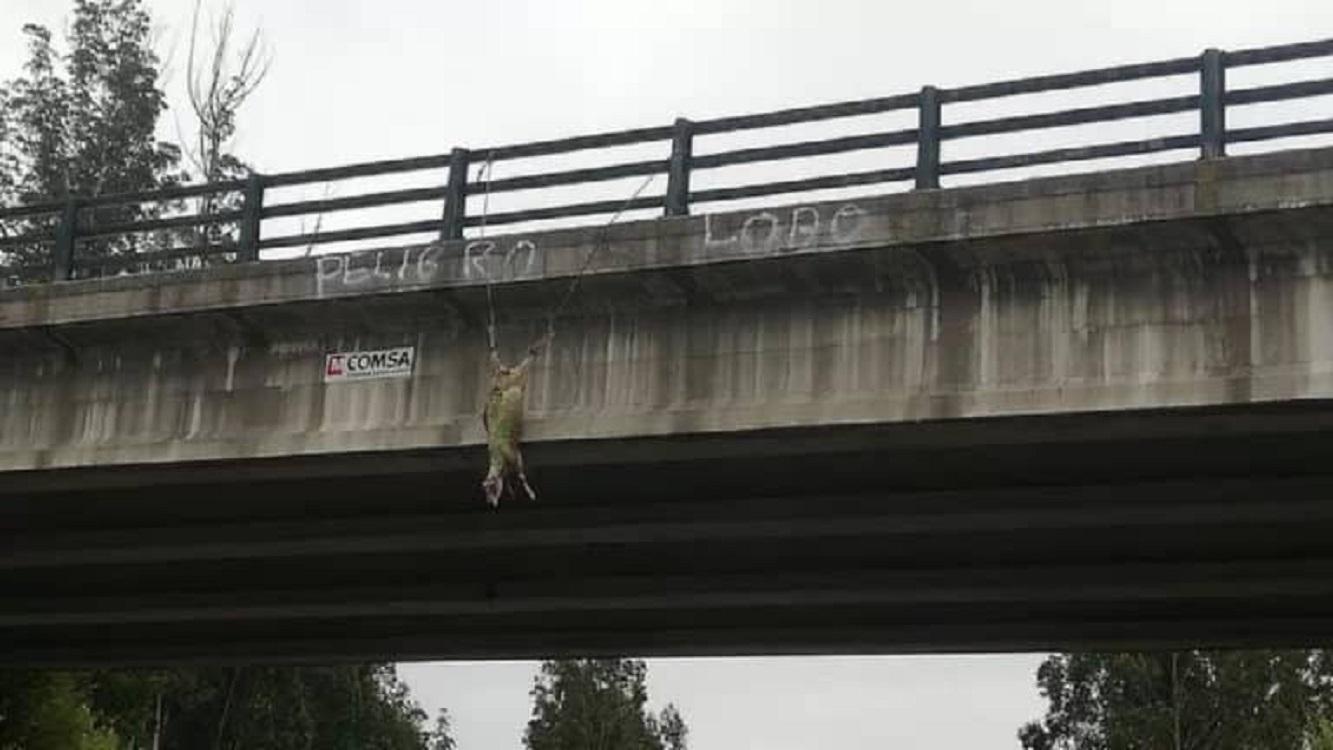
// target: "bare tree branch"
[[220, 78]]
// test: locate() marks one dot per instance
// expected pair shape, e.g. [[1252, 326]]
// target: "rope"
[[485, 169], [597, 246]]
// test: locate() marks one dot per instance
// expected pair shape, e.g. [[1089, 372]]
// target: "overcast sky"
[[355, 80]]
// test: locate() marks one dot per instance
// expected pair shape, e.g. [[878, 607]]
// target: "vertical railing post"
[[252, 215], [455, 196], [1212, 104], [67, 231], [928, 139], [678, 171]]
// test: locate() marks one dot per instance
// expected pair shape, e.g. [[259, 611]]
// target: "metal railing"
[[64, 227]]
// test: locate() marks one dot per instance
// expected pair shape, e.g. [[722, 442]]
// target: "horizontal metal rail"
[[576, 143], [363, 169], [116, 262], [798, 186], [806, 114], [1268, 132], [31, 209], [1060, 81], [1280, 53], [150, 225], [1076, 153], [164, 194], [1299, 90], [87, 235], [143, 196], [369, 200], [576, 209], [29, 238], [570, 177], [805, 148], [1067, 117], [347, 235]]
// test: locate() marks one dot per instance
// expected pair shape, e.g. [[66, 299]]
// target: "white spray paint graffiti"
[[766, 232], [368, 269], [503, 259], [482, 260]]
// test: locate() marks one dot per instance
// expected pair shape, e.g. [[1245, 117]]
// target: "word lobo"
[[379, 363], [391, 267], [775, 232]]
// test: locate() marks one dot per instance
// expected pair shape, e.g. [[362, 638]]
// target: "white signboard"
[[378, 363]]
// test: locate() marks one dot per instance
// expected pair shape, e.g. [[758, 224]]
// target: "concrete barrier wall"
[[1161, 287]]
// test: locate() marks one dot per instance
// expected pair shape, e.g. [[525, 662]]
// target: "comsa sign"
[[380, 363]]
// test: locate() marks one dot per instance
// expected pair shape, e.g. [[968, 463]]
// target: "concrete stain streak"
[[1004, 300]]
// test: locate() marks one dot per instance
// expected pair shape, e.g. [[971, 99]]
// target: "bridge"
[[1084, 410]]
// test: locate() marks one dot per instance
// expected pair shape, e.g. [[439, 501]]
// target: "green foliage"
[[442, 736], [9, 164], [83, 122], [228, 708], [37, 113], [1321, 735], [671, 729], [114, 100], [128, 702], [32, 142], [48, 711], [1233, 700], [598, 704], [9, 154], [292, 707]]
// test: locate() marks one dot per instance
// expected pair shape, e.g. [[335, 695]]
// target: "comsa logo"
[[380, 363]]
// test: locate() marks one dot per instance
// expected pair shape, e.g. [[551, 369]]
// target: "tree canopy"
[[226, 708], [1190, 700], [83, 120], [48, 711], [598, 704]]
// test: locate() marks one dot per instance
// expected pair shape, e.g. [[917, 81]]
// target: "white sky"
[[790, 703], [357, 81]]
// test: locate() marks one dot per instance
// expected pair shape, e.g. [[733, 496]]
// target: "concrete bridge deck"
[[1064, 412]]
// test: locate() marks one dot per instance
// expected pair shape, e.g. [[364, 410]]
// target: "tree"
[[1231, 700], [48, 711], [285, 707], [115, 101], [218, 83], [1321, 735], [598, 704], [37, 138], [224, 708], [672, 730], [441, 737], [32, 137], [9, 157], [9, 172], [84, 122]]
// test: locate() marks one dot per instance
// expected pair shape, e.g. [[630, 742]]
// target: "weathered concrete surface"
[[1074, 413], [1186, 285]]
